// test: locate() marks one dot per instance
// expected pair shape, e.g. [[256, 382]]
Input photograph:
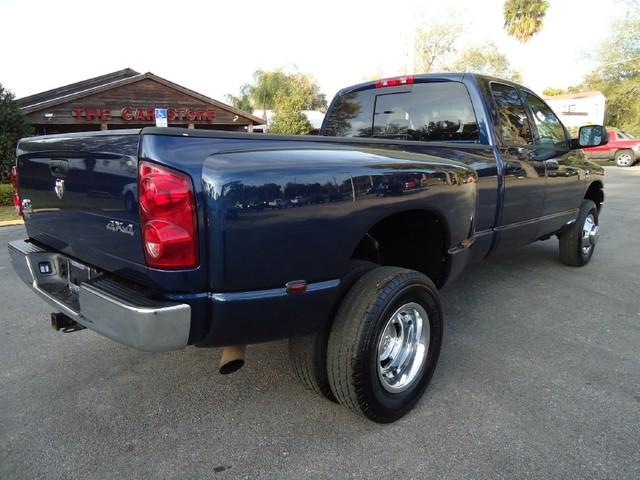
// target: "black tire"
[[571, 239], [353, 356], [308, 353], [624, 158]]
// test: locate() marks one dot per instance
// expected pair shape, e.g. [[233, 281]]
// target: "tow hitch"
[[59, 321]]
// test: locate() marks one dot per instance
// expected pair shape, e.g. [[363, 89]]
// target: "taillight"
[[394, 81], [16, 184], [167, 217]]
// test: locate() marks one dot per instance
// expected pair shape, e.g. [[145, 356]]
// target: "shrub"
[[13, 126], [6, 194]]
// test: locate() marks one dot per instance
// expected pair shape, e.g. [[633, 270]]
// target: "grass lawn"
[[8, 213]]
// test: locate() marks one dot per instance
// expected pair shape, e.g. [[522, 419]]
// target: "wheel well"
[[595, 193], [415, 239]]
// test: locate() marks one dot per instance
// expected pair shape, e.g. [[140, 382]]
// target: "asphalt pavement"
[[539, 378]]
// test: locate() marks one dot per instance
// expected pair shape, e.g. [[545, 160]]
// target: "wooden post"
[[104, 126], [191, 125], [250, 128]]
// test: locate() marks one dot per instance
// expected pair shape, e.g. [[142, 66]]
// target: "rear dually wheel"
[[384, 343]]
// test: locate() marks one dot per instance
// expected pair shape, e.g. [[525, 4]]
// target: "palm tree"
[[524, 18]]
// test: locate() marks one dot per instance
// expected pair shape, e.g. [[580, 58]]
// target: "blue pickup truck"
[[161, 238]]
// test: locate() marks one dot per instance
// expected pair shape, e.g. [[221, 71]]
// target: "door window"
[[514, 124], [550, 131]]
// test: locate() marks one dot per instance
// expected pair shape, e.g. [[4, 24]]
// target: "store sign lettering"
[[144, 114]]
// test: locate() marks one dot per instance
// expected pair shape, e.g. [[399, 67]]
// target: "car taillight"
[[16, 184], [167, 217], [394, 81]]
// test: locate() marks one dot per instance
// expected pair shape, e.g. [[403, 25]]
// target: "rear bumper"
[[126, 314], [116, 311]]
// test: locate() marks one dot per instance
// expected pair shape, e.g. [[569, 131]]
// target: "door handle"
[[515, 150], [514, 168]]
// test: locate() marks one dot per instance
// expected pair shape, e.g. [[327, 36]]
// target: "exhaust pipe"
[[232, 359]]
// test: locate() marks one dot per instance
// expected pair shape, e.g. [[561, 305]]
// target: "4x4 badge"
[[59, 188], [116, 226]]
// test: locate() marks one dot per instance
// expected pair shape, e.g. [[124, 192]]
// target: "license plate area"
[[76, 274]]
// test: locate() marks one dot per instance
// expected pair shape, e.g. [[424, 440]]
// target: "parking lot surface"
[[539, 378]]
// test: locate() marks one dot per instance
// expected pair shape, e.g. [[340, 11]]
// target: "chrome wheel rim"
[[403, 347], [590, 234], [624, 159]]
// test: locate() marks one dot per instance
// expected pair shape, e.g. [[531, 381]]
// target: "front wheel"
[[578, 242], [625, 158], [385, 343]]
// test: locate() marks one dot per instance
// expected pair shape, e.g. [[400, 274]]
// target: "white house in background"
[[315, 119], [577, 109]]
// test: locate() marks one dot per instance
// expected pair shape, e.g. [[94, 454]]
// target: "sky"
[[214, 47]]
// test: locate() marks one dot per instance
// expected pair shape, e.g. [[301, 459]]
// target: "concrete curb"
[[11, 223]]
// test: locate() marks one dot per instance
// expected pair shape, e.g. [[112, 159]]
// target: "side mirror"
[[590, 136]]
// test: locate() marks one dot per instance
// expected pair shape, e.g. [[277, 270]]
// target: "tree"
[[618, 76], [288, 116], [488, 60], [434, 45], [265, 88], [13, 126], [267, 85], [243, 100], [524, 18], [553, 92]]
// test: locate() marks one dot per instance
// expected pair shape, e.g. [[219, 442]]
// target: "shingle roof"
[[95, 85], [73, 88]]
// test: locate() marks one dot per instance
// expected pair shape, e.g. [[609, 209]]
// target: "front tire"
[[385, 343], [624, 158], [578, 242]]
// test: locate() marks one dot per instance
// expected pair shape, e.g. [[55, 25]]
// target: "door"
[[523, 173], [565, 167]]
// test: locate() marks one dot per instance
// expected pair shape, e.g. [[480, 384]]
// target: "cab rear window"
[[435, 111]]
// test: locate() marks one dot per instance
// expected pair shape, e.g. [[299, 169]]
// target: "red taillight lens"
[[16, 184], [167, 217], [394, 81]]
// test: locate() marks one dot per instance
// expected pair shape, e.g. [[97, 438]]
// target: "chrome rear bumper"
[[106, 306]]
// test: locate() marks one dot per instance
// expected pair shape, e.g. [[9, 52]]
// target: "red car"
[[622, 148]]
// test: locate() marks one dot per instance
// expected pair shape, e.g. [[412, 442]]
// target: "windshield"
[[624, 135]]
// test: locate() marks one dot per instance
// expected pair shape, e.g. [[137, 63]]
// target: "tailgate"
[[80, 194]]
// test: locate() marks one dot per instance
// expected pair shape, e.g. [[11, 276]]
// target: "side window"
[[550, 131], [514, 124], [351, 115]]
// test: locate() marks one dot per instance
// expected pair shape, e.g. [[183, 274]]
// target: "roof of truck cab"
[[434, 77], [456, 77]]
